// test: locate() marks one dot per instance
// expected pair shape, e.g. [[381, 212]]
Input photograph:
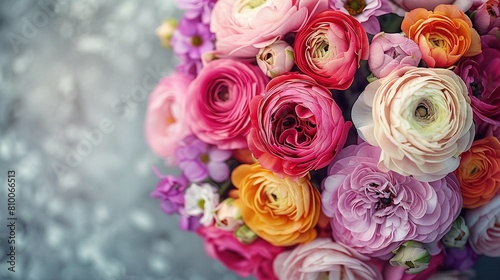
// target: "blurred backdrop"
[[74, 80]]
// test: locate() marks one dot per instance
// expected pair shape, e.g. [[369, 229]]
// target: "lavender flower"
[[189, 42], [194, 9], [460, 258], [170, 192], [199, 160]]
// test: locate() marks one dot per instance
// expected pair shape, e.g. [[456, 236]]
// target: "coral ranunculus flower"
[[283, 212], [444, 35], [479, 172]]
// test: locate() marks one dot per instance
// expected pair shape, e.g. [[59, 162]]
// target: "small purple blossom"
[[199, 160], [170, 192], [189, 223], [194, 9], [190, 41], [460, 259], [364, 11]]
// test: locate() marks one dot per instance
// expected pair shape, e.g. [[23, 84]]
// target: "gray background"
[[84, 212]]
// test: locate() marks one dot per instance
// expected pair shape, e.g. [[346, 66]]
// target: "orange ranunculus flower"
[[479, 172], [443, 36], [282, 211]]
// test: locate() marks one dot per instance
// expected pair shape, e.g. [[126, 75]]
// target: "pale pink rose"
[[390, 52], [484, 228], [166, 124], [421, 118], [374, 212], [219, 101], [242, 27], [245, 260], [323, 259], [366, 12], [400, 7], [276, 59]]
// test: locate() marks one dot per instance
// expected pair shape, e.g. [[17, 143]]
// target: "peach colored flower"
[[479, 172], [421, 118], [444, 35], [283, 212]]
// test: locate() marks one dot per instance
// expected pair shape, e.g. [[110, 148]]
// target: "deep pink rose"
[[296, 126], [390, 52], [219, 101], [486, 17], [374, 212], [166, 124], [482, 78], [324, 259], [484, 228], [400, 7], [255, 258], [242, 27]]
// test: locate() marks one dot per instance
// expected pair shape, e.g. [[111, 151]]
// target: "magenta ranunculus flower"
[[374, 212], [219, 101], [486, 16], [480, 74], [199, 160], [296, 126], [166, 122], [400, 7], [242, 27], [364, 11], [324, 259], [484, 228], [390, 52], [245, 260]]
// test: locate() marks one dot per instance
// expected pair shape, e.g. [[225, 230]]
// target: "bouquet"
[[325, 139]]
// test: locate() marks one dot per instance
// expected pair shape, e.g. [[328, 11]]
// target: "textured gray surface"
[[65, 67]]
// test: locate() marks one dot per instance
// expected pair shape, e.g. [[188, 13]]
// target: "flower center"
[[355, 7], [384, 195], [196, 41], [223, 94], [477, 88], [204, 158], [201, 204], [169, 120], [438, 42], [424, 111]]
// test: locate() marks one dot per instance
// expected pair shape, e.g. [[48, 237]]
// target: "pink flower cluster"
[[322, 139]]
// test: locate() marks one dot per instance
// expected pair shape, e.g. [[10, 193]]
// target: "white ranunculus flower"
[[201, 199], [421, 119]]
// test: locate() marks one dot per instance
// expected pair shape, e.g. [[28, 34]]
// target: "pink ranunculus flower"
[[484, 228], [366, 11], [486, 16], [390, 52], [219, 101], [242, 27], [296, 126], [245, 260], [166, 123], [400, 7], [421, 118], [374, 212], [324, 259]]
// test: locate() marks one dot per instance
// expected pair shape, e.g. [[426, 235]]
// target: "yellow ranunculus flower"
[[282, 211]]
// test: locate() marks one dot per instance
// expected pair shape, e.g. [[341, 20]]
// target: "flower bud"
[[412, 256], [276, 59], [228, 216], [165, 30], [458, 234], [389, 52], [245, 235]]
